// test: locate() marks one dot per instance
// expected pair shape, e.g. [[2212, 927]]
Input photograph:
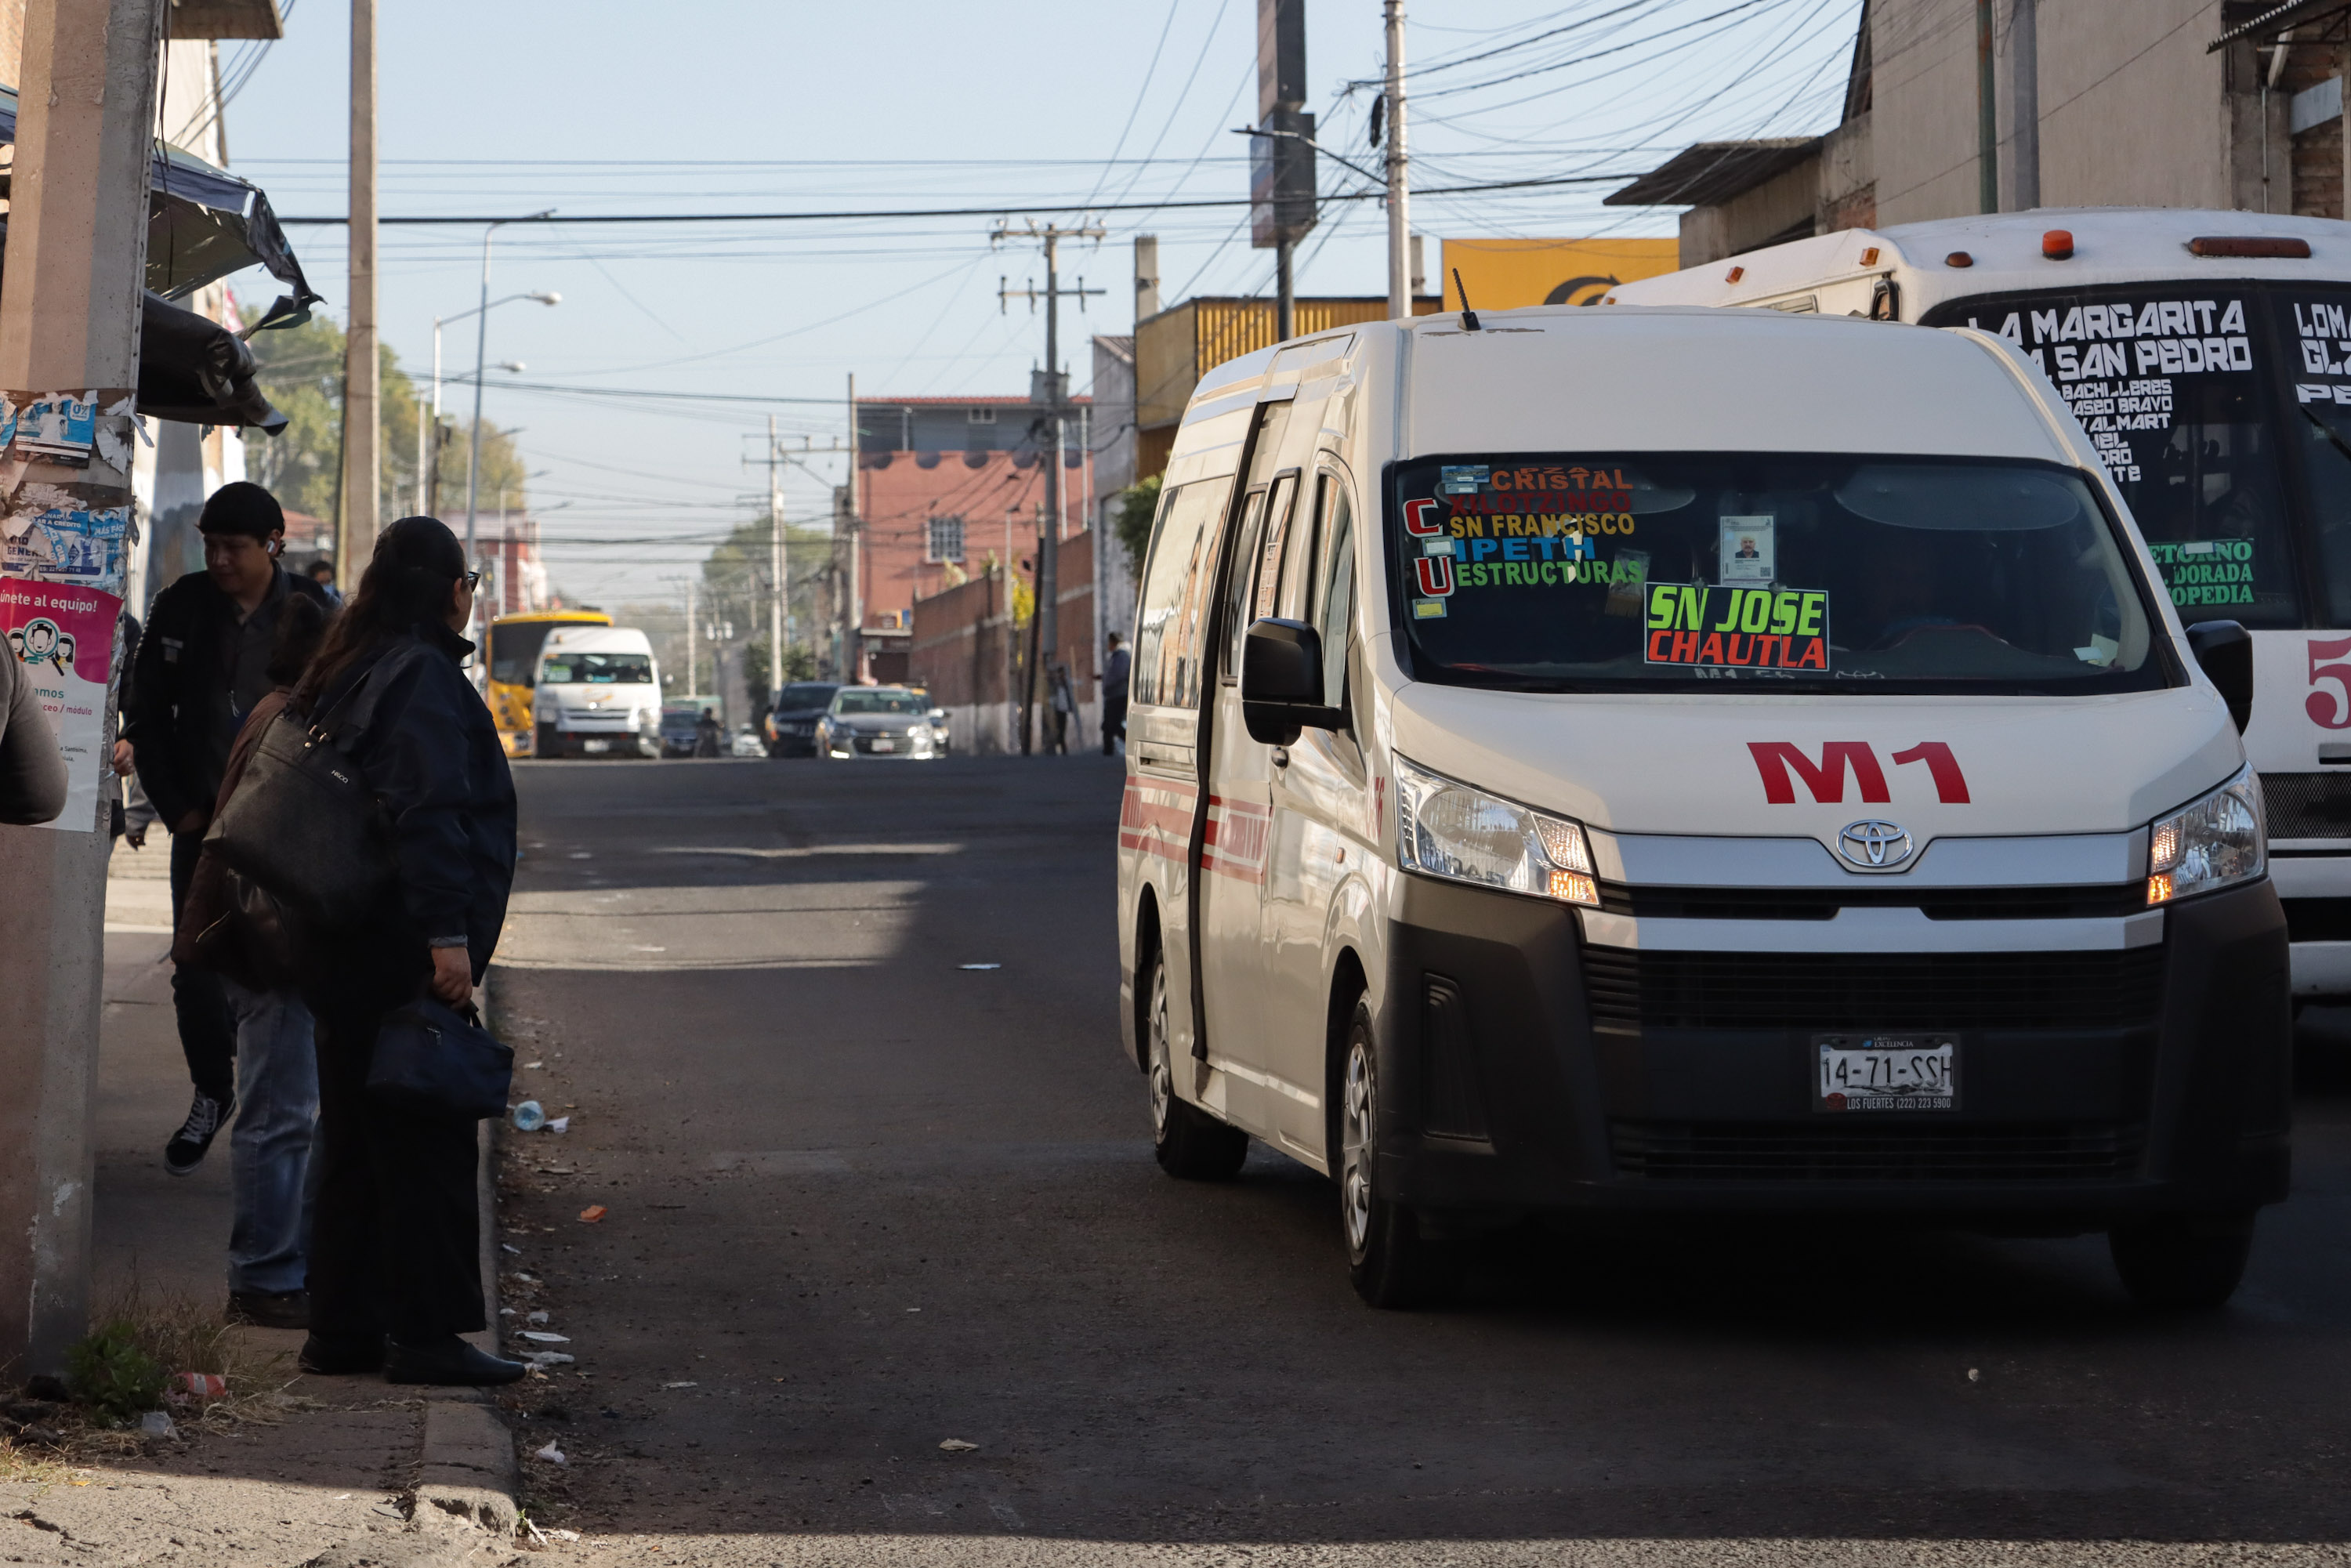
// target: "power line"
[[997, 211]]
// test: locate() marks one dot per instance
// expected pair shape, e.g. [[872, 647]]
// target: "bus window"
[[514, 651], [2172, 382], [2313, 328]]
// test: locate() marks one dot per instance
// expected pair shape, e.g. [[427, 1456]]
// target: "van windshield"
[[878, 702], [1796, 573], [597, 669]]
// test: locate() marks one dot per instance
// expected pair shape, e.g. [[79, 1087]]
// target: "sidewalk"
[[327, 1470]]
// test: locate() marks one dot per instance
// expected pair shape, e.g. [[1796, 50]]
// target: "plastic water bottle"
[[530, 1117]]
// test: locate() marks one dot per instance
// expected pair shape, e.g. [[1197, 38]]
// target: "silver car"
[[876, 721]]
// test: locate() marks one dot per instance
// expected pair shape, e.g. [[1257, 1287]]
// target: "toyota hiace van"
[[1691, 760]]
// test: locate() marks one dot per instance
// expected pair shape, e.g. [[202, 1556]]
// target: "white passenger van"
[[598, 691], [2209, 354], [1692, 761]]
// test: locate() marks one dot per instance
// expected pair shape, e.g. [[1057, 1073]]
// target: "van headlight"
[[1448, 830], [2214, 842]]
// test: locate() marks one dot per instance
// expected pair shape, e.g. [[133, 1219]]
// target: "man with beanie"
[[202, 665]]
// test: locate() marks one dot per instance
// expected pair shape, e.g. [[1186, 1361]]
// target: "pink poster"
[[63, 635]]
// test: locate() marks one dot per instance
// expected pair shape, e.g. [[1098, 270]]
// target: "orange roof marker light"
[[2057, 245], [1734, 275], [1869, 256], [2250, 245], [1958, 258]]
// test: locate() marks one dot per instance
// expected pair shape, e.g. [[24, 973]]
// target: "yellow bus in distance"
[[515, 645]]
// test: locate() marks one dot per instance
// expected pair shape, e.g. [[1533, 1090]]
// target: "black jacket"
[[177, 716], [430, 752]]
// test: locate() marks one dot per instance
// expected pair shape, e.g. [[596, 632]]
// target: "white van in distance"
[[1681, 759], [598, 691]]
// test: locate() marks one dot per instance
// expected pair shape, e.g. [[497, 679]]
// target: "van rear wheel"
[[1188, 1143], [1389, 1262], [2182, 1262]]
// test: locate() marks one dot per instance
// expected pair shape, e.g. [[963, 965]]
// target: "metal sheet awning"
[[2278, 18], [203, 223], [1714, 172]]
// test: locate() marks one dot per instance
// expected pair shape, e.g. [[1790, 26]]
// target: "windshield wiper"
[[2328, 430]]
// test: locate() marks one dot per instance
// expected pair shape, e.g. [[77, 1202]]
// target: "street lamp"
[[543, 296]]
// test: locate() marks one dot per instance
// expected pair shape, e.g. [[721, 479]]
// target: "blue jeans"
[[269, 1149]]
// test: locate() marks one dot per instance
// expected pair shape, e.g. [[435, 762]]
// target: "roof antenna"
[[1468, 316]]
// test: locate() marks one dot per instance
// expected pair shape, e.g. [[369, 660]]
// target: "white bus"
[[2208, 355]]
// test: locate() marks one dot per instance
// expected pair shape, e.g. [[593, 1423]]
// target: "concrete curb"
[[468, 1470]]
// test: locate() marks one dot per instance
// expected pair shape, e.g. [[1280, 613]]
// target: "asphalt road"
[[862, 1200]]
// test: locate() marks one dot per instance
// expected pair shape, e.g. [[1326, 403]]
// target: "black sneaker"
[[451, 1363], [270, 1309], [189, 1145]]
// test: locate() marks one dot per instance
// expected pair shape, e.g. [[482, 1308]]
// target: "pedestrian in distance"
[[395, 1277], [276, 1062], [32, 769], [322, 572], [203, 663], [1116, 668], [705, 734]]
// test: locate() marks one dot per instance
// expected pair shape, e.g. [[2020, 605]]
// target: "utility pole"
[[362, 366], [1987, 115], [69, 320], [1281, 154], [1399, 174], [852, 642], [775, 567], [692, 648], [1047, 625], [2024, 101]]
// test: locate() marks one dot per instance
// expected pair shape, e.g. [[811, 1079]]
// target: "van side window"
[[1170, 633], [1307, 534], [1276, 534], [1237, 596], [1335, 598]]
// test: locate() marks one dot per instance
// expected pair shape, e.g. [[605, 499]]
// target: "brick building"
[[945, 485]]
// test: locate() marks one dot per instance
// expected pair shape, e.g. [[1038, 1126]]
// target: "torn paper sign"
[[66, 541], [63, 635], [55, 427]]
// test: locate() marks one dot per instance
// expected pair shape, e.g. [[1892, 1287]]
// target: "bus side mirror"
[[2224, 651], [1281, 681]]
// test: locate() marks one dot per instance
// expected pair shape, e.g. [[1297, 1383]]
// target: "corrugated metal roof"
[[1714, 172]]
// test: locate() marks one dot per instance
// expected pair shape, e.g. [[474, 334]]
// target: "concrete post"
[[363, 365], [68, 324]]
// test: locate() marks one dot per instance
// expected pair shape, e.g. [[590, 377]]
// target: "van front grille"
[[1626, 989], [1835, 1149]]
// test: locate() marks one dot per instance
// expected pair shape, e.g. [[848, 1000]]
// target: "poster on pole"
[[62, 556]]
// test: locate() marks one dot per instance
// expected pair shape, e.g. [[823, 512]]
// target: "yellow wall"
[[1504, 274]]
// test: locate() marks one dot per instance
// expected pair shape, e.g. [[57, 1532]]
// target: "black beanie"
[[242, 508]]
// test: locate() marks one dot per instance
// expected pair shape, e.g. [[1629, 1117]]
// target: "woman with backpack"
[[395, 1274]]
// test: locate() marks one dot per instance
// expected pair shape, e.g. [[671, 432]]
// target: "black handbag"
[[303, 825], [432, 1061]]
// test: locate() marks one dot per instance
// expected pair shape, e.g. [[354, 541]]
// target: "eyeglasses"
[[472, 581]]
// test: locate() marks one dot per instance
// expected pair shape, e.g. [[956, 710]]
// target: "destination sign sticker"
[[1732, 628]]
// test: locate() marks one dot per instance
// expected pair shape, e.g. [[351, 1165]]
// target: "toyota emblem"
[[1873, 845]]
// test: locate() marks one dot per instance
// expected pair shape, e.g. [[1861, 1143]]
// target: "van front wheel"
[[1189, 1142], [2182, 1262], [1390, 1262]]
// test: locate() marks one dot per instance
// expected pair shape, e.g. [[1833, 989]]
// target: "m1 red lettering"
[[1774, 757], [1950, 784]]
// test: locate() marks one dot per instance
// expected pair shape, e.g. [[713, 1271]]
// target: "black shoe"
[[451, 1363], [189, 1145], [270, 1309], [341, 1358]]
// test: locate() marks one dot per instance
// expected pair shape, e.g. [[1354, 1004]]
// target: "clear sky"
[[591, 106]]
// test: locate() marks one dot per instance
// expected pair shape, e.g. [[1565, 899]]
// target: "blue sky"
[[724, 106]]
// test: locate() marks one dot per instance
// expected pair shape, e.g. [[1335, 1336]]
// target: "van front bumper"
[[1523, 1070]]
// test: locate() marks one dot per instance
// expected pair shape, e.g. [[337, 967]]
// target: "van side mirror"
[[2224, 649], [1281, 681]]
